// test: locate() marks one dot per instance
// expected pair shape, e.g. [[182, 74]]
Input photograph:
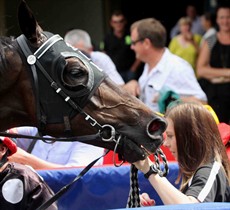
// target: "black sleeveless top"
[[220, 53], [218, 94]]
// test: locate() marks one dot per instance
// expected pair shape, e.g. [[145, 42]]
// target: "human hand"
[[143, 165], [146, 200], [132, 87]]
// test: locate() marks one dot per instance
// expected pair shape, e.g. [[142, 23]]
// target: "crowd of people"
[[193, 70]]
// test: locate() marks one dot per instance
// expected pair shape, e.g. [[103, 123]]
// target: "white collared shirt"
[[172, 72], [63, 153]]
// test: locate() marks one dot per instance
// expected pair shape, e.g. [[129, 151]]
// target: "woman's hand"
[[143, 165], [146, 200]]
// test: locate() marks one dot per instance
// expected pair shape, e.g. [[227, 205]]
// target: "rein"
[[45, 205], [52, 139]]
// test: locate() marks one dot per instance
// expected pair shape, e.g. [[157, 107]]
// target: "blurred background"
[[93, 15]]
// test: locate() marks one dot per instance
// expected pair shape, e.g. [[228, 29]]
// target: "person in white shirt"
[[81, 40], [162, 70], [42, 155]]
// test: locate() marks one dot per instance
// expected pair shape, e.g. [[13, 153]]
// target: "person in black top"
[[204, 169], [213, 65], [117, 44]]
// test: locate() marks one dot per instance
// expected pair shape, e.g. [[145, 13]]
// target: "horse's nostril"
[[156, 127]]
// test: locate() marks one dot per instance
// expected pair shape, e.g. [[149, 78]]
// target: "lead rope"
[[134, 195], [133, 199]]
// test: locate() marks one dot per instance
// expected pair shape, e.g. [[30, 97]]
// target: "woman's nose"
[[165, 142]]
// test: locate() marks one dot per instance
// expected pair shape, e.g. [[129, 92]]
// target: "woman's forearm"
[[168, 193]]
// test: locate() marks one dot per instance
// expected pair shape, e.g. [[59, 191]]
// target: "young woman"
[[194, 140], [186, 44]]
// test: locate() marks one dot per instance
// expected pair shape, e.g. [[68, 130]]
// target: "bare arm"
[[26, 158], [167, 192], [205, 70]]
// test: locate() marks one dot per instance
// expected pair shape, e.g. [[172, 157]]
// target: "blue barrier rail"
[[107, 187]]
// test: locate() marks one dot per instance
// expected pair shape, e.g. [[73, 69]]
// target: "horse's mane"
[[5, 44]]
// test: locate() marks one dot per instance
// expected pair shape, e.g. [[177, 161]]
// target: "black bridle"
[[56, 49], [96, 76]]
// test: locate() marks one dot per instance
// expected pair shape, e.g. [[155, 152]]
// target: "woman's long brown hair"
[[198, 139]]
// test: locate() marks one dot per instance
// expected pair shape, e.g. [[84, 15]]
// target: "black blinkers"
[[52, 70]]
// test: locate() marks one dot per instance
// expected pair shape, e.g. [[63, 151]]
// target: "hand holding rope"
[[134, 199]]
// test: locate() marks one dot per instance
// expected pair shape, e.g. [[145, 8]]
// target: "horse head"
[[47, 84]]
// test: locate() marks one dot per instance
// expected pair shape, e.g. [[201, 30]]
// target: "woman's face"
[[223, 19], [170, 140], [185, 28]]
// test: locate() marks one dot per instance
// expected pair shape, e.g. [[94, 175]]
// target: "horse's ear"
[[27, 22]]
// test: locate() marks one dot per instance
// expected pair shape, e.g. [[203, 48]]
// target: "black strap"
[[50, 139], [26, 51], [45, 205], [32, 144]]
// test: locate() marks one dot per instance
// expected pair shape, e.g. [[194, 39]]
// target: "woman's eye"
[[169, 136]]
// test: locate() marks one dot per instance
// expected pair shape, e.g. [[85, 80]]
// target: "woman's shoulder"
[[211, 40], [210, 169]]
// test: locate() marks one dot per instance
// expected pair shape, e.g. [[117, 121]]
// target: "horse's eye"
[[76, 72]]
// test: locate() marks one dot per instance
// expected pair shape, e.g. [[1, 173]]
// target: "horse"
[[47, 84]]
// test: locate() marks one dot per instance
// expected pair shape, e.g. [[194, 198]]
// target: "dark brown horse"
[[46, 84]]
